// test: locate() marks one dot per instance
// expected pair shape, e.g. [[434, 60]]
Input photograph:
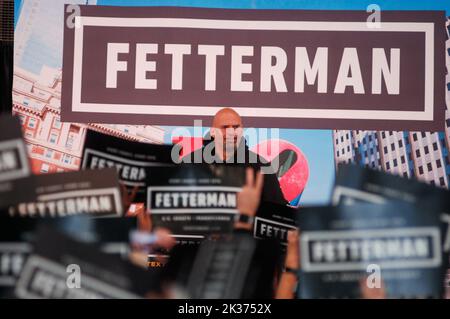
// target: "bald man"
[[226, 131], [228, 146]]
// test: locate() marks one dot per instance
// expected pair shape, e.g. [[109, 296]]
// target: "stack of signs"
[[393, 245], [131, 159], [357, 184], [95, 193], [194, 200], [14, 167], [274, 221], [63, 268]]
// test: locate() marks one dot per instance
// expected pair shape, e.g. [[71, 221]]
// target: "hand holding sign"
[[160, 237], [164, 238]]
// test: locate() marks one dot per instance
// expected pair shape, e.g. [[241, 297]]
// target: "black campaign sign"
[[95, 193], [278, 68], [14, 167], [49, 271], [17, 235], [358, 184], [132, 160], [195, 199], [274, 221], [12, 257], [15, 248], [340, 246], [13, 155]]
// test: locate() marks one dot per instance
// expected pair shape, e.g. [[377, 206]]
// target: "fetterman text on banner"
[[277, 68]]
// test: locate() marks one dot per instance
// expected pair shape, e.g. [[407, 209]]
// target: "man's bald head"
[[226, 117], [227, 128]]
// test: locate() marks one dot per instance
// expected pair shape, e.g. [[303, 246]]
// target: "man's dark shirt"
[[243, 156]]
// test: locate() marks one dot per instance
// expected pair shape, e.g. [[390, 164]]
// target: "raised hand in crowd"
[[248, 199]]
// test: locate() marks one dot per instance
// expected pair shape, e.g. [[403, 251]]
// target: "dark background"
[[6, 54]]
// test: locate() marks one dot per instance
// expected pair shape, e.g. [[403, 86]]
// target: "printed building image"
[[422, 155], [56, 146], [395, 153], [53, 145], [367, 148], [447, 111], [344, 148]]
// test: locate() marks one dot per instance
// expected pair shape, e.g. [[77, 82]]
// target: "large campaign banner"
[[276, 68], [340, 81]]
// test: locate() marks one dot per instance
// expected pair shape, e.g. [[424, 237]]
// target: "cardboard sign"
[[95, 193], [14, 250], [278, 68], [274, 221], [14, 166], [395, 243], [17, 235], [194, 199], [131, 159], [51, 271], [271, 221], [357, 184]]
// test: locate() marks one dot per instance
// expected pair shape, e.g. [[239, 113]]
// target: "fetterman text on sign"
[[277, 68]]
